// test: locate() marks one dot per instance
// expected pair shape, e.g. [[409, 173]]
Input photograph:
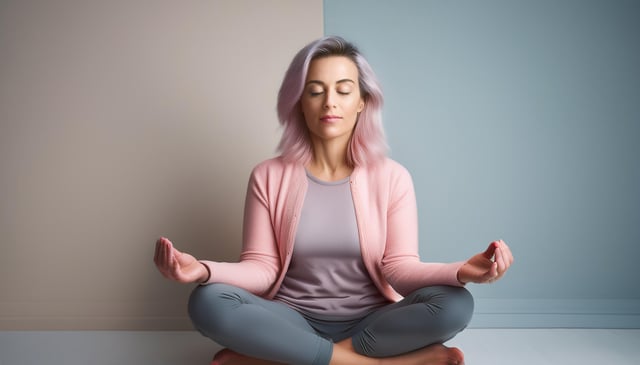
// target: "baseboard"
[[556, 313], [86, 323], [489, 313]]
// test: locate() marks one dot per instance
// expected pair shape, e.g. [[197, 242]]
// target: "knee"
[[443, 294], [209, 307], [455, 303], [462, 304]]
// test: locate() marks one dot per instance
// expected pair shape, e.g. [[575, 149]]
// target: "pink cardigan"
[[386, 213]]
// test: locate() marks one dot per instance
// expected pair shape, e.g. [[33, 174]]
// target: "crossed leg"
[[262, 329]]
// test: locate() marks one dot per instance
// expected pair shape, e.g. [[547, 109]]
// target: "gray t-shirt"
[[327, 278]]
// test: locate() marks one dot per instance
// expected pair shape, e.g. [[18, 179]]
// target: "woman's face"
[[331, 98]]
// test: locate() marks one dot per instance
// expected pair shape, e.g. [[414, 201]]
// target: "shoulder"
[[275, 163], [387, 169], [386, 176], [275, 168], [395, 167]]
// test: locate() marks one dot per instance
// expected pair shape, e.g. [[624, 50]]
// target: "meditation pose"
[[329, 271]]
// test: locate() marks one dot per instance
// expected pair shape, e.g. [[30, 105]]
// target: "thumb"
[[491, 274], [490, 251]]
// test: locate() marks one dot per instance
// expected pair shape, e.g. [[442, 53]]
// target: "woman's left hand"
[[488, 266]]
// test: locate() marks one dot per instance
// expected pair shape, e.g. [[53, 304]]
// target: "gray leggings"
[[271, 330]]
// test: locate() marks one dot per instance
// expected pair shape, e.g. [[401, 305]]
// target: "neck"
[[329, 161]]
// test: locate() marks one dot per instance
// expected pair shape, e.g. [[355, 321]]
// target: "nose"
[[329, 100]]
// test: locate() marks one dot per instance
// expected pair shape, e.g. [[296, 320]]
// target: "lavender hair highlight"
[[368, 142]]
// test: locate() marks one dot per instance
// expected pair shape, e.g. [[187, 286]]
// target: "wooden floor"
[[481, 347]]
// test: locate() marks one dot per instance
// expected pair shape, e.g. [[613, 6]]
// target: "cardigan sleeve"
[[401, 264], [259, 262]]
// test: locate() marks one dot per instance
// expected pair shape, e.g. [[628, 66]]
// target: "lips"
[[330, 118]]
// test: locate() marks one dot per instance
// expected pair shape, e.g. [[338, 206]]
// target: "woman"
[[329, 271]]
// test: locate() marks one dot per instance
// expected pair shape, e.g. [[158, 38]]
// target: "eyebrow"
[[322, 83]]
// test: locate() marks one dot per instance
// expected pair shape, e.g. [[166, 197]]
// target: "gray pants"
[[271, 330]]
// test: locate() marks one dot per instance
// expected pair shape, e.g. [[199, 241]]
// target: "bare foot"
[[431, 355], [229, 357], [436, 354]]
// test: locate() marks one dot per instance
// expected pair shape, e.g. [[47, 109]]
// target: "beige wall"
[[121, 121]]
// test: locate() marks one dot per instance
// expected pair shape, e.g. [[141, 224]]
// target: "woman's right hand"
[[178, 266]]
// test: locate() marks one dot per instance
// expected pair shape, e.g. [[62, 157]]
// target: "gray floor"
[[481, 346]]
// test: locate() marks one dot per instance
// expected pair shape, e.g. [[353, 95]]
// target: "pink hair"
[[368, 142]]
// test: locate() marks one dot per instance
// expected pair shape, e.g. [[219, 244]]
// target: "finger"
[[500, 260], [491, 275], [173, 266], [508, 253], [157, 256], [156, 252], [506, 256], [490, 251], [164, 257], [159, 249], [167, 254]]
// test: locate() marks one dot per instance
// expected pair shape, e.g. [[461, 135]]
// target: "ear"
[[361, 105]]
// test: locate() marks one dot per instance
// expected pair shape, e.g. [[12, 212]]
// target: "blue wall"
[[519, 120]]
